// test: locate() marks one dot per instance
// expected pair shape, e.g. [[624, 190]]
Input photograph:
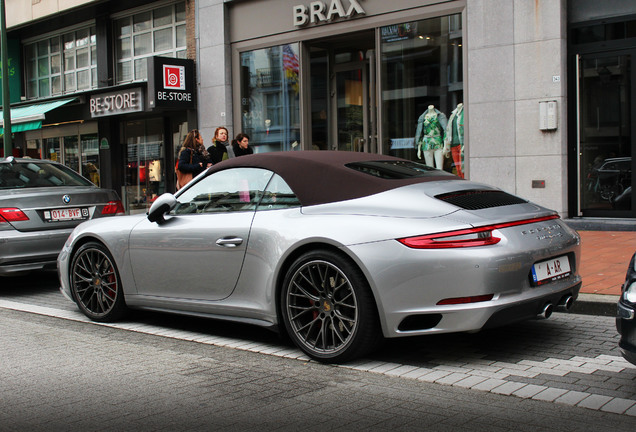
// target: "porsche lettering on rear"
[[541, 229]]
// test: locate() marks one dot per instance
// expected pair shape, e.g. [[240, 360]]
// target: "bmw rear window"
[[32, 174], [391, 169]]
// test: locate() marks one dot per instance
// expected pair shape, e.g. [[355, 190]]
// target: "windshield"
[[32, 174]]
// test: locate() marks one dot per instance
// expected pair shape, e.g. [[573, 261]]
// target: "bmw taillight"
[[113, 208], [470, 237], [12, 215]]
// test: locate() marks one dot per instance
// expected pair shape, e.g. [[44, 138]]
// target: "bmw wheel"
[[95, 283], [328, 308]]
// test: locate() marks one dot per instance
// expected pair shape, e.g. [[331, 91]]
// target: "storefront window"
[[319, 70], [71, 153], [422, 92], [270, 101], [161, 31], [145, 175], [51, 149], [90, 157], [61, 64]]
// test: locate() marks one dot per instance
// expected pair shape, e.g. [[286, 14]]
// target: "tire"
[[328, 308], [95, 283]]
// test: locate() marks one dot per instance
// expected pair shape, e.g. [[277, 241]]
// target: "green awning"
[[30, 117], [21, 127]]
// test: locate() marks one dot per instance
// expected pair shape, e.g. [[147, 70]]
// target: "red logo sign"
[[174, 77]]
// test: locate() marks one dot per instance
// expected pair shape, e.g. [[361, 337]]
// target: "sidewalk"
[[605, 256]]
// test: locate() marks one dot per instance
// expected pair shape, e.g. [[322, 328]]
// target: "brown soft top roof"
[[319, 177]]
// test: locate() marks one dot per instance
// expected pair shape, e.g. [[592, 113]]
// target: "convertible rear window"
[[396, 169], [19, 175]]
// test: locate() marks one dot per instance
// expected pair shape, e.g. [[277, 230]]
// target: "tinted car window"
[[391, 169], [236, 189], [33, 174], [278, 195]]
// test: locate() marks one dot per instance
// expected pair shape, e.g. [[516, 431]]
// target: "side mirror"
[[160, 207]]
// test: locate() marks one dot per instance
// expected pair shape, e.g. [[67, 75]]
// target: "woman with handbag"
[[192, 159]]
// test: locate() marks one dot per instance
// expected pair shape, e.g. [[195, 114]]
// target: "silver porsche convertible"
[[336, 249]]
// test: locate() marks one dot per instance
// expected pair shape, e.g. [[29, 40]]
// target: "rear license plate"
[[66, 214], [551, 270]]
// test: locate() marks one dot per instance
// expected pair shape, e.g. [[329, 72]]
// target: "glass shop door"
[[606, 141], [343, 101], [351, 108]]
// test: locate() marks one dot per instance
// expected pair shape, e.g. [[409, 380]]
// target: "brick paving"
[[605, 256]]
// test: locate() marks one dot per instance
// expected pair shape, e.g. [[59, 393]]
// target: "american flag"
[[290, 61]]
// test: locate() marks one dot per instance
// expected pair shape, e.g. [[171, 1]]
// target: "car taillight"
[[453, 239], [12, 215], [113, 208], [471, 237]]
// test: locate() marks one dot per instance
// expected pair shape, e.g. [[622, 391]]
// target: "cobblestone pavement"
[[568, 360], [60, 374]]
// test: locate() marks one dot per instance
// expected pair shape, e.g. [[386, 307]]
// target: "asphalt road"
[[161, 372]]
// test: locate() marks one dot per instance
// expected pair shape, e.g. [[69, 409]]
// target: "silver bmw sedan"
[[40, 203]]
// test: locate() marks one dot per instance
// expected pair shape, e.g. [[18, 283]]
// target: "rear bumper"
[[28, 251], [410, 288], [483, 315], [532, 308]]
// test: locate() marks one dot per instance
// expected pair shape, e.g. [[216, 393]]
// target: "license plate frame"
[[65, 214], [551, 270]]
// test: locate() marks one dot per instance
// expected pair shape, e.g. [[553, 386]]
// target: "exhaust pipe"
[[565, 304], [547, 311]]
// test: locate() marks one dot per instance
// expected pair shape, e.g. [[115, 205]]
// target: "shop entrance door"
[[342, 81], [350, 107], [606, 97]]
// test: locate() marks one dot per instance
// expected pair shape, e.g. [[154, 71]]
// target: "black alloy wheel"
[[95, 283], [328, 308]]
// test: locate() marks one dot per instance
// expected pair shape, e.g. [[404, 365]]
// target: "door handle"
[[229, 242]]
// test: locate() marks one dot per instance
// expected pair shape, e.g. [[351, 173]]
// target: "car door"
[[197, 252]]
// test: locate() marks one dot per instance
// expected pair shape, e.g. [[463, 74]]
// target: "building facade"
[[532, 96], [92, 90]]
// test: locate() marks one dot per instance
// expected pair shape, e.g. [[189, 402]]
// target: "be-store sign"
[[170, 83], [174, 77]]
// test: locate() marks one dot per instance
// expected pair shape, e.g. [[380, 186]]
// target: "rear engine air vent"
[[480, 199]]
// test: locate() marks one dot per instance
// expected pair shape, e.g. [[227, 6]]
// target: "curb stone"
[[595, 304]]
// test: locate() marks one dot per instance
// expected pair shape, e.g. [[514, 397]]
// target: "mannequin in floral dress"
[[429, 137]]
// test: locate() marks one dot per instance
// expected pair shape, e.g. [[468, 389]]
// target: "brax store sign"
[[121, 102], [170, 83], [318, 11]]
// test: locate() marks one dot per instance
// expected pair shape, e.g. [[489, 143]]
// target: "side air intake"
[[480, 199]]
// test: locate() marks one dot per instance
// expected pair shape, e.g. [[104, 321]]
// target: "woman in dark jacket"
[[193, 157], [241, 145], [220, 149]]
